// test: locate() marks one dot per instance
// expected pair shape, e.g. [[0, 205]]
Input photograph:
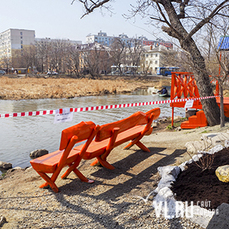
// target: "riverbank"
[[24, 87], [113, 201]]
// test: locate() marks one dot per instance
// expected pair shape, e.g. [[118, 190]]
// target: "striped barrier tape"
[[105, 107]]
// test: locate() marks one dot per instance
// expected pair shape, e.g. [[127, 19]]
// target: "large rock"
[[5, 165], [220, 220], [222, 172], [38, 153], [194, 146], [2, 220]]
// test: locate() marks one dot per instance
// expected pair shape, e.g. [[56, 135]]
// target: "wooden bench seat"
[[49, 162]]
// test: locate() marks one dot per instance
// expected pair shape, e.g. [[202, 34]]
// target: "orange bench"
[[116, 133], [66, 156], [106, 137]]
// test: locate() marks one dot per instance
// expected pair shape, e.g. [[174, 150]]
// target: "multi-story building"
[[12, 43], [103, 39], [43, 40], [153, 58]]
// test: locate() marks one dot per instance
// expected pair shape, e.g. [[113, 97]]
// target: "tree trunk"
[[210, 107], [177, 30]]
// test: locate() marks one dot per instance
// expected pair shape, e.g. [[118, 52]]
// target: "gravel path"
[[113, 201]]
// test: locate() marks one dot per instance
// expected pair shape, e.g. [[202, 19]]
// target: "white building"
[[153, 58], [15, 39], [101, 38]]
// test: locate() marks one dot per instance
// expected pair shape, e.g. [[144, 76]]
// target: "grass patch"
[[205, 131]]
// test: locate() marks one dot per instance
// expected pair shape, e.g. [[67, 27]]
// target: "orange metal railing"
[[183, 85]]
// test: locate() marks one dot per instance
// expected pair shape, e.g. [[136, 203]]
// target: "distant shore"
[[23, 87]]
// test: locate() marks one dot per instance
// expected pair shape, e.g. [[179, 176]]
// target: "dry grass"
[[39, 88]]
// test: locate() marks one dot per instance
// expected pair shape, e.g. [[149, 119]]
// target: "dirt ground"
[[194, 184], [112, 201]]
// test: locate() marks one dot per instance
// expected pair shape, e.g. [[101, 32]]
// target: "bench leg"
[[104, 163], [142, 146], [95, 162], [48, 182], [139, 144], [73, 168], [82, 177]]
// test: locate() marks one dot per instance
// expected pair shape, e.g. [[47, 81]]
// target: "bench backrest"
[[156, 112], [82, 131], [105, 131]]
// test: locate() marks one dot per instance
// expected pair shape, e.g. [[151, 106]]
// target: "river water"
[[21, 135]]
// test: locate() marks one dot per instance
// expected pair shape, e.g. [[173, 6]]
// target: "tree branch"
[[207, 19], [90, 5], [170, 30]]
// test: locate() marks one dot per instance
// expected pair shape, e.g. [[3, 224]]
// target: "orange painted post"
[[173, 88]]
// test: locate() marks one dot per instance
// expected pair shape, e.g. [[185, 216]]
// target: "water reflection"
[[21, 135]]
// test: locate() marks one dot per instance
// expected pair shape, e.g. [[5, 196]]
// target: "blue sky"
[[60, 19]]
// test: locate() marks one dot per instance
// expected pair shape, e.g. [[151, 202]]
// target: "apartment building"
[[153, 58], [103, 39], [12, 43], [43, 40]]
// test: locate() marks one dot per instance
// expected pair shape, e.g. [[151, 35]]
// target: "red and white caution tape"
[[81, 109]]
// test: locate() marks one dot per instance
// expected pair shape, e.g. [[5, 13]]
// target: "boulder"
[[38, 153], [154, 124], [2, 220], [222, 172], [194, 146], [5, 165], [220, 220]]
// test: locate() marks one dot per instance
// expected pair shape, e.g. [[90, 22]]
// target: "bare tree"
[[183, 20], [95, 59], [72, 60], [216, 56], [29, 57], [43, 54], [134, 53], [118, 53], [7, 63]]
